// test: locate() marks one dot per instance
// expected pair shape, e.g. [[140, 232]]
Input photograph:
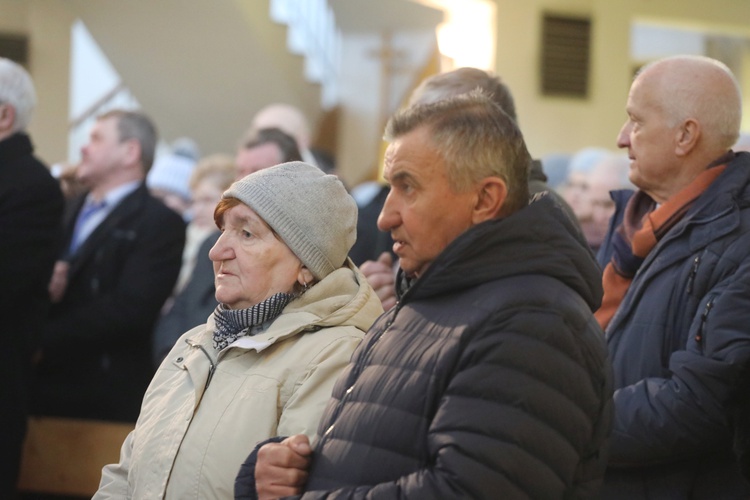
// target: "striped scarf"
[[232, 324], [643, 226]]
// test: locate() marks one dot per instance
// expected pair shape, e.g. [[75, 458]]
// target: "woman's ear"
[[305, 277]]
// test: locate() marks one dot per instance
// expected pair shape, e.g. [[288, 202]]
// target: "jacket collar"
[[14, 147], [722, 201], [343, 298], [109, 228], [538, 239]]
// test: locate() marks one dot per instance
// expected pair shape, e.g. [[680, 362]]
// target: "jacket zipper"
[[693, 273], [372, 345], [211, 364], [358, 371], [700, 337]]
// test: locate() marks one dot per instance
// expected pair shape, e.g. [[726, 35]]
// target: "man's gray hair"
[[476, 139], [17, 89], [136, 125], [462, 81]]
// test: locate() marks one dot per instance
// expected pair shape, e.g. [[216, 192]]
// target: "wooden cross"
[[389, 57]]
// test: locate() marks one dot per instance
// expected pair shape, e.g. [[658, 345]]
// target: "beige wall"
[[50, 23], [200, 71], [47, 24], [13, 14], [550, 124], [563, 124]]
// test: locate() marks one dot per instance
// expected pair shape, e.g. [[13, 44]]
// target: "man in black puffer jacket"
[[490, 378]]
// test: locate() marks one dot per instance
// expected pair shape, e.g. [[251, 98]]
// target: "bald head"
[[285, 117], [698, 88], [683, 114]]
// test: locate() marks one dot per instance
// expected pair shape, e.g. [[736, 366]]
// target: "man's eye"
[[246, 234]]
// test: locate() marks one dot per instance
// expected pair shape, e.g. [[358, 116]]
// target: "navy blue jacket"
[[679, 344], [620, 197]]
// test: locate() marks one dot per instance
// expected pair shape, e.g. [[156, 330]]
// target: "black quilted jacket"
[[489, 379]]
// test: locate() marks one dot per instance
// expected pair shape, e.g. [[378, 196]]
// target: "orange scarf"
[[643, 226]]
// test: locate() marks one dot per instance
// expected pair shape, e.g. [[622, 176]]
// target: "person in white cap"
[[169, 178]]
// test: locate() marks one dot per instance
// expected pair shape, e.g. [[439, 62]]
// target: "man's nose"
[[388, 218], [623, 138]]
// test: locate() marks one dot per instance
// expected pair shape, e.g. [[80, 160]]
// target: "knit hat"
[[584, 160], [311, 211], [172, 173]]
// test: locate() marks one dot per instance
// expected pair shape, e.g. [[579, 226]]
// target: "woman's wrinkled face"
[[250, 262]]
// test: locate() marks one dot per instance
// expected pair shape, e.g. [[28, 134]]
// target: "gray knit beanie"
[[311, 211]]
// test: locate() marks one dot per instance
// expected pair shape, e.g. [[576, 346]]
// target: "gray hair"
[[461, 81], [136, 125], [17, 89], [476, 139]]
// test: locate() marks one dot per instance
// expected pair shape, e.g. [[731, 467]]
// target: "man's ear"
[[132, 151], [491, 195], [7, 117], [687, 136]]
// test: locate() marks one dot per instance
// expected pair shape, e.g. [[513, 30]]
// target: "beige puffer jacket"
[[205, 410]]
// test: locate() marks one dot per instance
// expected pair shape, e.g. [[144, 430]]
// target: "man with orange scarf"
[[676, 306]]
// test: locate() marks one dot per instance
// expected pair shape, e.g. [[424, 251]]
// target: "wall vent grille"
[[15, 48], [565, 55]]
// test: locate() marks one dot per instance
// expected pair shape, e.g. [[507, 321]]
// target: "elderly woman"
[[292, 309]]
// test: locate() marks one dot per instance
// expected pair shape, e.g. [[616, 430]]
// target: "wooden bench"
[[65, 456]]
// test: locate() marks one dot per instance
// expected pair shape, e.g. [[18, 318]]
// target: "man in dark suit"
[[31, 205], [122, 254]]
